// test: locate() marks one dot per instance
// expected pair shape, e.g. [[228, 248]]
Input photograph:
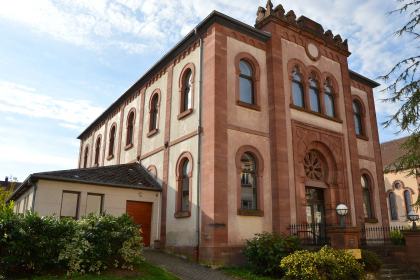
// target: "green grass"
[[143, 271], [244, 273]]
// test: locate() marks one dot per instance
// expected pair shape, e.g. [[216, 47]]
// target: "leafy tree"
[[4, 194], [406, 89]]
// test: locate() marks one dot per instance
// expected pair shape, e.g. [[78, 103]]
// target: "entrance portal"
[[315, 216]]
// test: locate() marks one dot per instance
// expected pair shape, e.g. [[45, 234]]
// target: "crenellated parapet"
[[302, 23]]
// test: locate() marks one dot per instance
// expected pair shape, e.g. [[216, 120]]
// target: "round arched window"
[[313, 167], [398, 186], [248, 183]]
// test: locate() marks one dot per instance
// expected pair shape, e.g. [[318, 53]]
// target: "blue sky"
[[63, 62]]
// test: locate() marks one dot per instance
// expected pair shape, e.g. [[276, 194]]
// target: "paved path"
[[181, 267]]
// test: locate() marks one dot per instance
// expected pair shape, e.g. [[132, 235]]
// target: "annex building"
[[242, 130]]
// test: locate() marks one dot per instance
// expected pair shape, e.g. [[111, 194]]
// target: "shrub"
[[397, 238], [324, 264], [371, 261], [102, 241], [33, 244], [266, 250]]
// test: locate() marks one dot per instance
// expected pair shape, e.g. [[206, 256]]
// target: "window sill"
[[128, 146], [371, 220], [361, 137], [110, 157], [255, 213], [247, 105], [185, 113], [153, 132], [316, 113], [182, 214]]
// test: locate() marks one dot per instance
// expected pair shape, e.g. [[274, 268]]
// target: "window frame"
[[256, 71], [102, 201], [390, 207], [259, 181], [86, 156], [77, 205], [362, 117], [300, 84], [329, 94], [111, 141], [154, 99], [130, 127], [405, 200], [182, 112], [371, 189], [179, 178], [98, 144], [316, 89]]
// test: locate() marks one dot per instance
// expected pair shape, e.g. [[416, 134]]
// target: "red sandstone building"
[[246, 129]]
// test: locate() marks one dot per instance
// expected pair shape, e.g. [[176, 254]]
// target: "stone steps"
[[395, 270]]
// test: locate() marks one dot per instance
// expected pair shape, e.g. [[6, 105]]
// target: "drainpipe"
[[35, 185], [200, 90]]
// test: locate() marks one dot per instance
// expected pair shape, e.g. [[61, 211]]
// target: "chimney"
[[6, 179]]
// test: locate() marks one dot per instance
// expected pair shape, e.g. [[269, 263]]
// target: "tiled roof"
[[131, 175], [390, 151], [8, 185]]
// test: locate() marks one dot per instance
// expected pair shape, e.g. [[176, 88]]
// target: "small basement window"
[[70, 205]]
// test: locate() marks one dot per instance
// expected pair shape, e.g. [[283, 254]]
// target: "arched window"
[[297, 88], [407, 200], [86, 157], [154, 104], [246, 84], [366, 197], [329, 100], [313, 167], [393, 206], [185, 186], [184, 168], [314, 94], [97, 150], [248, 183], [357, 118], [112, 141], [187, 91], [130, 128], [155, 113]]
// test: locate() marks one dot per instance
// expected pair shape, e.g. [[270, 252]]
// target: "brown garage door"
[[142, 214]]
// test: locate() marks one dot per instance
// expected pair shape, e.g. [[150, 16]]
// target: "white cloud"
[[10, 119], [23, 100], [71, 126]]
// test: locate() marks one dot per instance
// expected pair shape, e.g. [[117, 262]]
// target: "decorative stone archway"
[[327, 146]]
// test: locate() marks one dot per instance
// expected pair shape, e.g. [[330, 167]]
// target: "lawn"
[[143, 271], [244, 273]]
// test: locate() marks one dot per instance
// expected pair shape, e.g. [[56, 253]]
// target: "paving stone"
[[181, 267]]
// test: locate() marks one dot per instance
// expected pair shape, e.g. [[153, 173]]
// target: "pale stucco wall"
[[244, 227], [115, 119], [371, 167], [189, 123], [238, 115], [87, 142], [289, 51], [181, 231], [156, 160], [131, 153], [20, 201], [157, 140], [49, 195], [364, 147], [410, 182]]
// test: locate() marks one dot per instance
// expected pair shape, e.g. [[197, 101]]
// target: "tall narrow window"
[[246, 84], [393, 206], [111, 141], [86, 157], [70, 204], [357, 118], [185, 186], [97, 150], [314, 94], [130, 128], [248, 183], [366, 197], [297, 89], [407, 199], [155, 113], [329, 100], [187, 91]]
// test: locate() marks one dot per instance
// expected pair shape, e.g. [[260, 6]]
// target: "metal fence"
[[311, 234], [382, 236]]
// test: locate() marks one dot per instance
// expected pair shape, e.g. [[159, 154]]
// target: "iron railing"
[[311, 234], [382, 236]]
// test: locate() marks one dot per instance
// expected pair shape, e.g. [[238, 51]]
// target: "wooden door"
[[142, 214]]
